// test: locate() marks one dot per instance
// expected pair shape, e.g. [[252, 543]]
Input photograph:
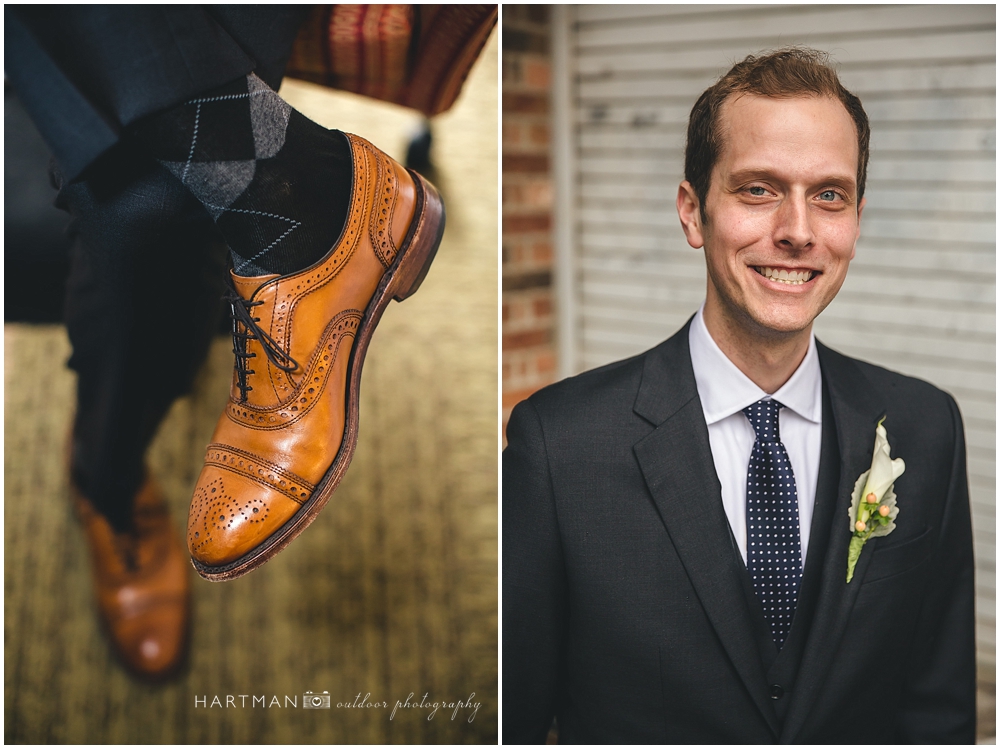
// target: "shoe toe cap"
[[152, 643], [231, 515], [149, 617]]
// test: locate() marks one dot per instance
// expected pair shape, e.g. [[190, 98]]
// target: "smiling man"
[[699, 544]]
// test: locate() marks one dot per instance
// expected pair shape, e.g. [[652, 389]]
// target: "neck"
[[769, 359]]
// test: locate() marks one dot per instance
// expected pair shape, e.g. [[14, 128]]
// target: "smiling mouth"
[[790, 277]]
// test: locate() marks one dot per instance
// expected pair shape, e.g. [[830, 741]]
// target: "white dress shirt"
[[725, 391]]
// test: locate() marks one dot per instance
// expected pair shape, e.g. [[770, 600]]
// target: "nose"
[[793, 229]]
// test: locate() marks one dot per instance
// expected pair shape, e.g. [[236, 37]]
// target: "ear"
[[689, 211], [861, 207]]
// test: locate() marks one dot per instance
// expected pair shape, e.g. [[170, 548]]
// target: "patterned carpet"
[[391, 592]]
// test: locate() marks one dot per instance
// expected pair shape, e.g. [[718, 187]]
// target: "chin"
[[781, 323]]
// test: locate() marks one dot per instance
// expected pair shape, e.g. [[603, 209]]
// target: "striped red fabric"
[[414, 55]]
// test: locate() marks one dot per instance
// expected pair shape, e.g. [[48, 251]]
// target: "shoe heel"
[[424, 243]]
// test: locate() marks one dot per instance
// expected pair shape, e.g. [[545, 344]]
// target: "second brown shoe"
[[142, 583], [289, 431]]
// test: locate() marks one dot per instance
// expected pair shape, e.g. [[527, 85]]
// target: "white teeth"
[[791, 277]]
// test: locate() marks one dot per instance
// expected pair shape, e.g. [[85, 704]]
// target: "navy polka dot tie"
[[774, 556]]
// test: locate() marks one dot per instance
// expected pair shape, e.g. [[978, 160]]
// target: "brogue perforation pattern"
[[304, 397], [214, 510], [259, 470], [384, 205]]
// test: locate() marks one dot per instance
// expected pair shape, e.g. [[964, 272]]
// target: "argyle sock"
[[276, 183]]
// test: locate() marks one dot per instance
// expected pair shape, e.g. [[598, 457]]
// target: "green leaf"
[[853, 552], [883, 521]]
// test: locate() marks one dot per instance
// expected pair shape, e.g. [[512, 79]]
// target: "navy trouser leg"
[[143, 302]]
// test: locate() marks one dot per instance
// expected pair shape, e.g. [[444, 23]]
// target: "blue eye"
[[828, 195], [757, 191]]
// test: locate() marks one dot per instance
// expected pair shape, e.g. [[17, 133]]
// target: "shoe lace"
[[243, 318]]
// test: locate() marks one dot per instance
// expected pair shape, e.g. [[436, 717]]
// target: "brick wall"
[[529, 360]]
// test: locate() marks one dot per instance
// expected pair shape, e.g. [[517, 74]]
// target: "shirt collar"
[[725, 390]]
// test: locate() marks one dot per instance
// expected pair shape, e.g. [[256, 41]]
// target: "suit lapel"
[[676, 462], [856, 411]]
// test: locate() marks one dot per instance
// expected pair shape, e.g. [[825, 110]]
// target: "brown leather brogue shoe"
[[142, 583], [290, 428]]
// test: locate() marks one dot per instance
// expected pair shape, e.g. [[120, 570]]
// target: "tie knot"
[[763, 417]]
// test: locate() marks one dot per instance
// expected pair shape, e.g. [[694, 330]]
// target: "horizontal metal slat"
[[929, 288], [970, 46], [898, 310], [932, 107], [980, 356], [605, 13], [857, 321], [604, 292], [924, 199], [936, 229], [792, 22]]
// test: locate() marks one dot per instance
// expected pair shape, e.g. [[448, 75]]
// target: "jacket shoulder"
[[666, 365], [889, 383], [613, 383]]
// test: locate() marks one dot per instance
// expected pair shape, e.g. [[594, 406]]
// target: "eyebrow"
[[745, 175]]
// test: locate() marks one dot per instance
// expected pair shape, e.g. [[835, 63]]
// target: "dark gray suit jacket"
[[627, 609]]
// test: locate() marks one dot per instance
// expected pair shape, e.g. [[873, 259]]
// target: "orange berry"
[[871, 498], [884, 511], [859, 526]]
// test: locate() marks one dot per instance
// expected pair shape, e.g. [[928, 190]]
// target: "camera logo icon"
[[312, 701]]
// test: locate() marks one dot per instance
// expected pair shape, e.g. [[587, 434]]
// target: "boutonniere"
[[873, 503]]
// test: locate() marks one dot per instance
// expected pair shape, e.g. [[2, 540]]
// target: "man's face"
[[783, 213]]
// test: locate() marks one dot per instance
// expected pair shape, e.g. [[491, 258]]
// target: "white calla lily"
[[884, 470]]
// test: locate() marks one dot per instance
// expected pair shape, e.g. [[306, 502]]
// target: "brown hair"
[[794, 71]]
